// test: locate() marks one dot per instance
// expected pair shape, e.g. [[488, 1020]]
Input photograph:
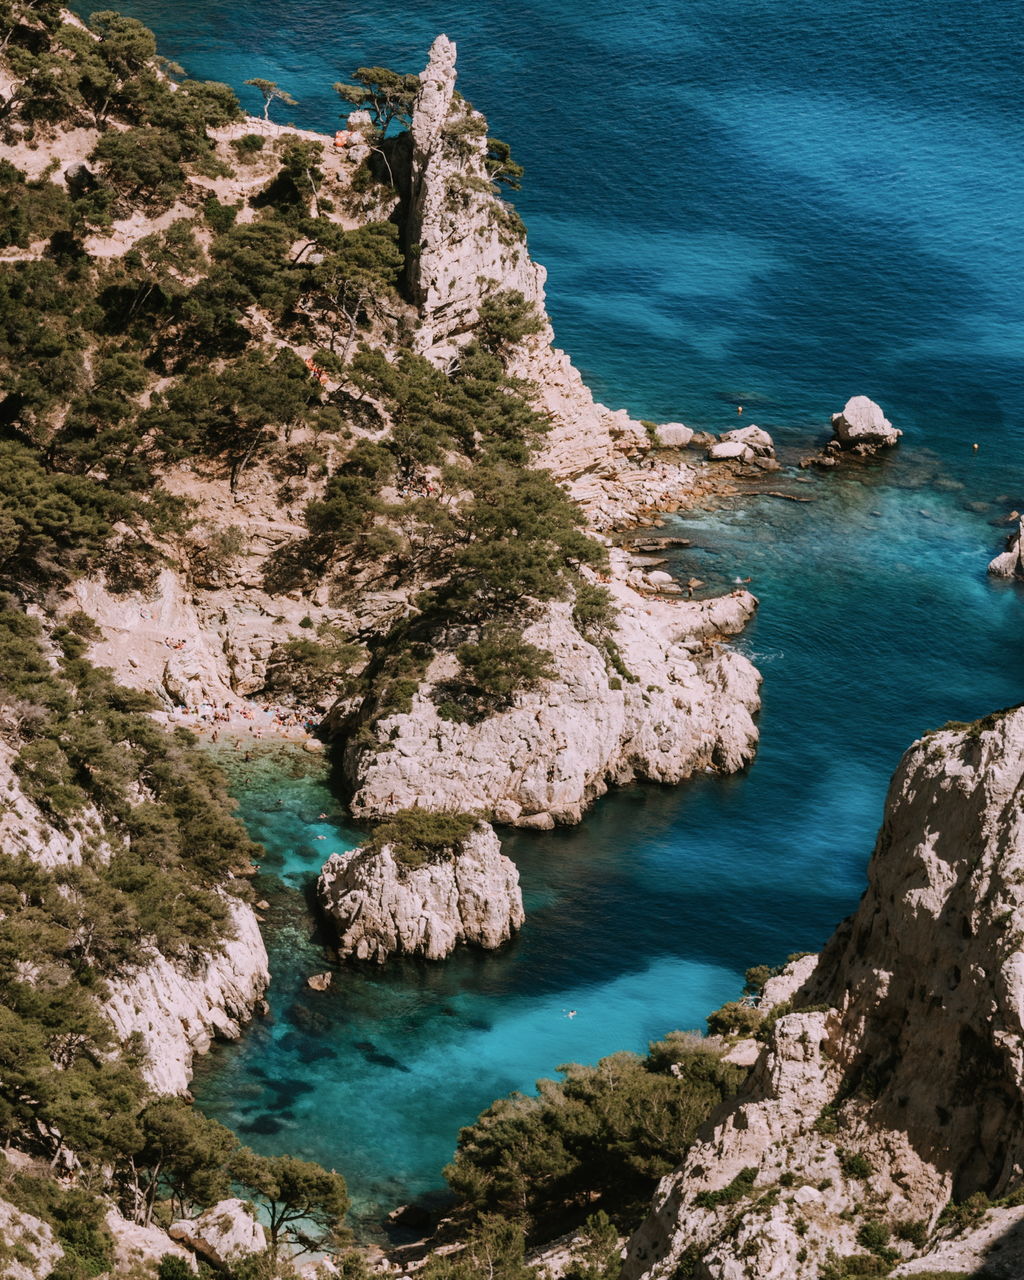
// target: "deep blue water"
[[775, 204]]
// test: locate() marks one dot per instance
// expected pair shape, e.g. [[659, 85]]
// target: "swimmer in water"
[[571, 1013]]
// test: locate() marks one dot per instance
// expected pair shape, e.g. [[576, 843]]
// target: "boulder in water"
[[863, 427], [1009, 564]]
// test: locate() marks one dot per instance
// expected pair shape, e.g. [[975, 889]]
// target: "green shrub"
[[599, 1138], [734, 1018], [853, 1164], [741, 1187], [417, 836]]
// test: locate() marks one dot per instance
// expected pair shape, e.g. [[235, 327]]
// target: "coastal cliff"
[[682, 704], [894, 1086]]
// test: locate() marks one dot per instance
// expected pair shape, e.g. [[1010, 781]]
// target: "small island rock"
[[382, 906], [863, 426]]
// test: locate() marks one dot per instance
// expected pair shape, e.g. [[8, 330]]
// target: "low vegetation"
[[597, 1139]]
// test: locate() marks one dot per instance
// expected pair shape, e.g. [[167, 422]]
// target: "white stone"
[[673, 435], [135, 1244], [41, 1252], [863, 424], [757, 440], [730, 450], [381, 907], [178, 1011], [225, 1234], [1010, 564], [560, 747]]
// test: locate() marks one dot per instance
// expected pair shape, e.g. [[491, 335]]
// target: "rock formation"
[[470, 244], [38, 1251], [744, 444], [381, 906], [179, 1011], [900, 1084], [226, 1234], [177, 1008], [863, 427], [680, 704], [1009, 563]]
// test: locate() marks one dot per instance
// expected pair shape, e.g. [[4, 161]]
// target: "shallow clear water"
[[775, 204]]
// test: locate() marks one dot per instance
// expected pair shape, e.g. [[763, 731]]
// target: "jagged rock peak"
[[469, 243], [434, 100]]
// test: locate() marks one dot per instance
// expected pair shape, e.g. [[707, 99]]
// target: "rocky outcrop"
[[672, 702], [672, 435], [137, 1248], [470, 244], [898, 1082], [1009, 563], [28, 1249], [863, 427], [225, 1235], [179, 1011], [744, 444], [381, 906]]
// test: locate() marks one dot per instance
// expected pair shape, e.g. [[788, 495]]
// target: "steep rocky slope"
[[682, 704], [896, 1084]]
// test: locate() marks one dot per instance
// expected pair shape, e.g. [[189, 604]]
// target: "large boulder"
[[863, 426], [383, 904], [672, 435], [754, 438], [225, 1234], [1009, 564]]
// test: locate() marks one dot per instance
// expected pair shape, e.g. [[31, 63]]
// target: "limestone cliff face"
[[685, 705], [905, 1084], [381, 907], [179, 1011], [470, 243]]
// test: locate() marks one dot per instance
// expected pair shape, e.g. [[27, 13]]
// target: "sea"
[[769, 203]]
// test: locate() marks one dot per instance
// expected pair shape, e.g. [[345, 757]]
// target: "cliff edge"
[[895, 1087]]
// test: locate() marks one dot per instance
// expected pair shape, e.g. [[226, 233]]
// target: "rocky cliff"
[[897, 1084], [177, 1007], [381, 905], [179, 1010], [681, 703]]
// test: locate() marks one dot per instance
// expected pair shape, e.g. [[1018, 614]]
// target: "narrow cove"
[[876, 623]]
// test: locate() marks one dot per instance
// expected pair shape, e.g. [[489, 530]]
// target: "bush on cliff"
[[597, 1139], [417, 836]]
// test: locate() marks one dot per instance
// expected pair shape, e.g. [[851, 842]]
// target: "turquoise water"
[[776, 204]]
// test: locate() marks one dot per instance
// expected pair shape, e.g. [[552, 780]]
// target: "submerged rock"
[[862, 426], [382, 906]]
